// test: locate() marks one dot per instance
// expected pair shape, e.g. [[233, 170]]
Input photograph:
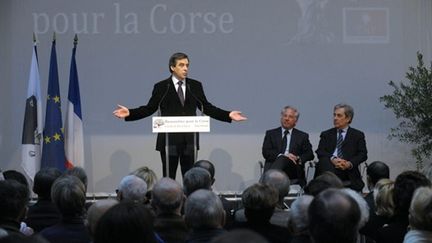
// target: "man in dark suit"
[[287, 148], [177, 95], [342, 149]]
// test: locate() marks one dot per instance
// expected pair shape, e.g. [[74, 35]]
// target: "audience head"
[[196, 178], [259, 201], [80, 173], [132, 188], [167, 196], [43, 181], [322, 182], [204, 210], [239, 235], [298, 222], [383, 196], [148, 175], [14, 198], [17, 176], [420, 212], [95, 212], [376, 171], [279, 180], [333, 217], [363, 205], [125, 222], [405, 185], [207, 165], [68, 194]]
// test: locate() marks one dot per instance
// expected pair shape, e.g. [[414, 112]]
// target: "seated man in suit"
[[287, 148], [341, 149]]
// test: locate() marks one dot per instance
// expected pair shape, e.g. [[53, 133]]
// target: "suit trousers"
[[294, 171], [183, 155]]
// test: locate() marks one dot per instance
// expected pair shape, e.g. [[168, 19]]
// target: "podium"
[[179, 124]]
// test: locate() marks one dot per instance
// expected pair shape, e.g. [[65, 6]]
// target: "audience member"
[[126, 222], [14, 198], [167, 201], [298, 223], [259, 201], [95, 212], [68, 194], [132, 188], [205, 216], [196, 178], [420, 217], [405, 185], [149, 176], [80, 173], [240, 235], [322, 182], [279, 180], [376, 171], [208, 166], [333, 217], [363, 206], [44, 212]]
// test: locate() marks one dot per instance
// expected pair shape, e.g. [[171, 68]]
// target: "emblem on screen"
[[158, 123]]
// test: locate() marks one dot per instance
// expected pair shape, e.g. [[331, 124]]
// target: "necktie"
[[284, 141], [180, 92], [339, 143]]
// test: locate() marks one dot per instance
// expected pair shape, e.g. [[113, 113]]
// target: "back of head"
[[80, 173], [239, 235], [405, 185], [96, 210], [207, 165], [420, 213], [196, 178], [17, 176], [333, 217], [204, 209], [68, 194], [14, 198], [43, 181], [148, 175], [259, 201], [132, 188], [322, 182], [279, 180], [361, 202], [125, 222], [167, 195], [298, 222], [376, 171], [383, 197]]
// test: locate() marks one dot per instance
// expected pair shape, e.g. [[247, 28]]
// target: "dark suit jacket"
[[354, 150], [165, 96], [299, 145]]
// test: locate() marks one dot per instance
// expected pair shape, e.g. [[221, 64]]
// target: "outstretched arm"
[[121, 111], [237, 116]]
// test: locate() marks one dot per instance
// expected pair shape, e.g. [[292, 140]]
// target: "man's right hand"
[[121, 111]]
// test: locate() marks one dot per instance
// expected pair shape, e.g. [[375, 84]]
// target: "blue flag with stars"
[[53, 152]]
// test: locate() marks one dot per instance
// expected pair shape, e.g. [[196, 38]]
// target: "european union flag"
[[53, 152]]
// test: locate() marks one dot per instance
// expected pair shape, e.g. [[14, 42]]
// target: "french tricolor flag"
[[74, 139]]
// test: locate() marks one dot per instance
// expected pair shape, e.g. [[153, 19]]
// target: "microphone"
[[193, 95], [163, 97]]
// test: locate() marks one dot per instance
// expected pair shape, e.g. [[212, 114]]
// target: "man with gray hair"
[[167, 201], [342, 149], [298, 223], [95, 212], [132, 188], [287, 148], [205, 216], [196, 178]]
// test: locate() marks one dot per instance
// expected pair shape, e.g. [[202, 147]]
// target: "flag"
[[53, 152], [32, 128], [74, 140]]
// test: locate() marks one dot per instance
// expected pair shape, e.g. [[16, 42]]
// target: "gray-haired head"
[[132, 188], [420, 212], [196, 178], [298, 222], [204, 209], [361, 202], [167, 196], [69, 195], [279, 180], [349, 111], [95, 212], [80, 173], [290, 108]]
